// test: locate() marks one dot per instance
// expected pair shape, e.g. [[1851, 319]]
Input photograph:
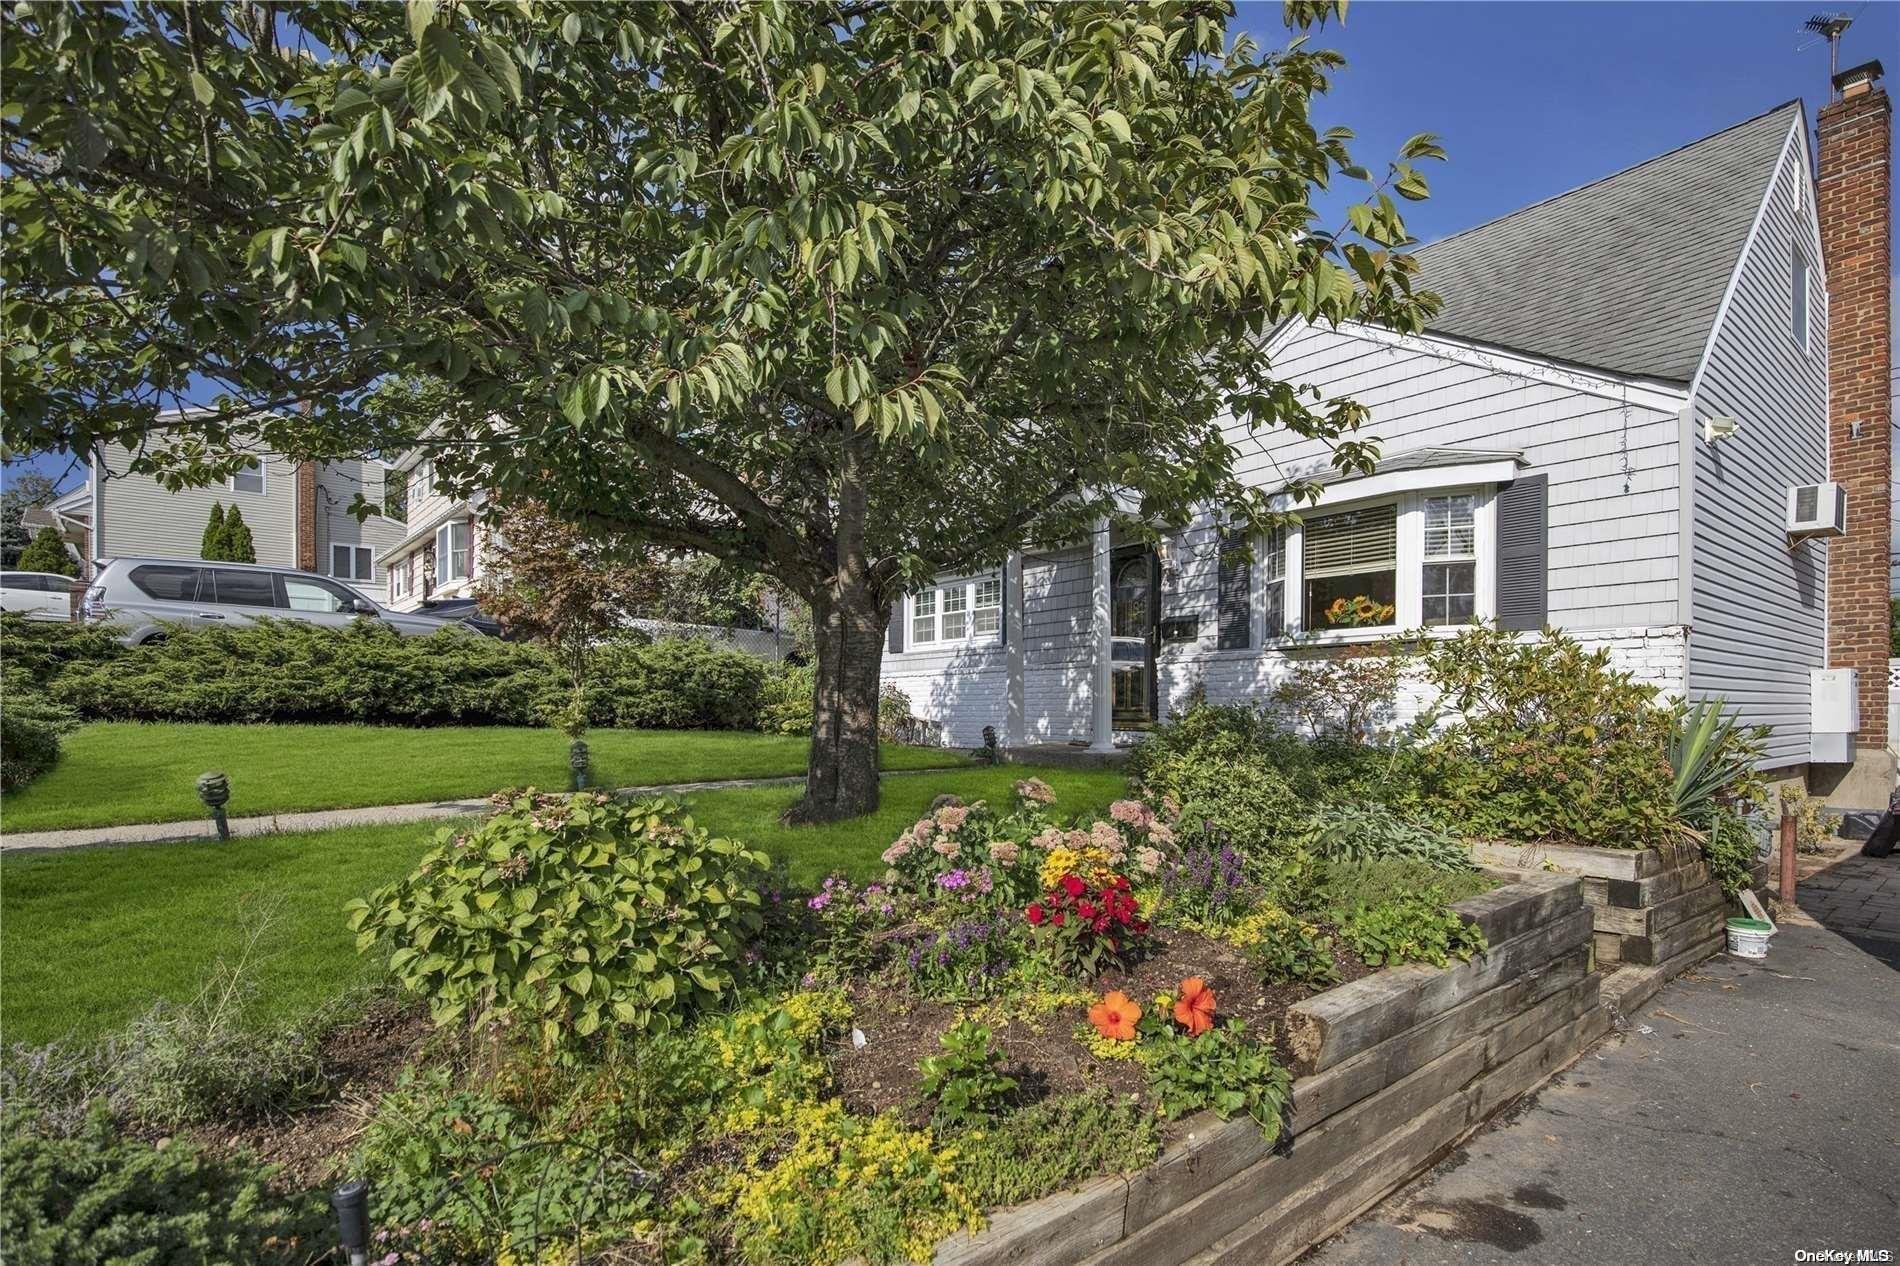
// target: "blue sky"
[[1532, 99]]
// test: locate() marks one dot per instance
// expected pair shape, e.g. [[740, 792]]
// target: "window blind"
[[1353, 541]]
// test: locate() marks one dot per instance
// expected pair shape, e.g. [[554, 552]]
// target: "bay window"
[[1449, 584], [1351, 568], [451, 552]]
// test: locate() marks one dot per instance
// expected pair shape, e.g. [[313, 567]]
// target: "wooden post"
[[1787, 858]]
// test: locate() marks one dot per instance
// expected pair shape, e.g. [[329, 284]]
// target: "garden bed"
[[1397, 1067]]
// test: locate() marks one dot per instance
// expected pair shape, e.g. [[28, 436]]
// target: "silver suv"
[[145, 595]]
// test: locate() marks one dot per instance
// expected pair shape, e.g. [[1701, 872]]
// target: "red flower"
[[1073, 885], [1086, 909], [1057, 918], [1034, 914], [1101, 924]]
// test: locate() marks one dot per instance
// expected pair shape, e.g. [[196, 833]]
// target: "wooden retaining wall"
[[1391, 1071]]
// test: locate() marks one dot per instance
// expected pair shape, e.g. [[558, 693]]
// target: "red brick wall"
[[307, 516], [1856, 211]]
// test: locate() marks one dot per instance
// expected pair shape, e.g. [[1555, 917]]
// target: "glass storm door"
[[1132, 624]]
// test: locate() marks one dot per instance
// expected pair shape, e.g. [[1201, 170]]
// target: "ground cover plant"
[[114, 772]]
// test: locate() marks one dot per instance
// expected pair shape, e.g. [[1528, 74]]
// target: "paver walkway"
[[324, 819], [1859, 897]]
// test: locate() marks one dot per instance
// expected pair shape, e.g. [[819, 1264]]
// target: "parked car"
[[146, 595], [39, 595]]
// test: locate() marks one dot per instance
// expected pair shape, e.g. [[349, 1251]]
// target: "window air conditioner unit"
[[1817, 510]]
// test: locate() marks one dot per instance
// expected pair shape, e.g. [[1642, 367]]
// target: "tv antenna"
[[1829, 27]]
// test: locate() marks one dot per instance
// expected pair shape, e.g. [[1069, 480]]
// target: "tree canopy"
[[850, 294]]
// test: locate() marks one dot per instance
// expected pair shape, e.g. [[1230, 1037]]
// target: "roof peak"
[[1791, 103]]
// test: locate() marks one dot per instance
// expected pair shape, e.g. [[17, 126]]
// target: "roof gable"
[[1626, 273]]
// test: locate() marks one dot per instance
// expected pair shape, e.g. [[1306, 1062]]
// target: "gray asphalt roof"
[[1623, 274]]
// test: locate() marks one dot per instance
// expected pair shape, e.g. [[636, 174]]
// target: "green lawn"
[[118, 772], [91, 938]]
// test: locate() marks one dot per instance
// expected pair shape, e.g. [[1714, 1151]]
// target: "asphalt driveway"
[[1748, 1111]]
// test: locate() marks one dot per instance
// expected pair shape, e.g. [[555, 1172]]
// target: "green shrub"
[[41, 648], [573, 914], [46, 552], [1341, 885], [1320, 770], [98, 1197], [1415, 928], [30, 728], [785, 698], [1371, 832], [1548, 742], [290, 670], [1242, 794], [1731, 849], [1224, 1070], [1714, 758], [1285, 948], [965, 1082], [677, 683], [1054, 1144]]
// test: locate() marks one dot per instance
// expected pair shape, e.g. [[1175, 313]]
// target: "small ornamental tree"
[[847, 294], [551, 580], [47, 553], [212, 547], [238, 546]]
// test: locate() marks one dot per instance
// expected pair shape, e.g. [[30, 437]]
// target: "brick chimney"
[[306, 516], [1856, 211]]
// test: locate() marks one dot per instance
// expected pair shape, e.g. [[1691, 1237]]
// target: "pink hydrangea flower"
[[952, 816], [924, 829], [1161, 833], [1105, 837], [1004, 853], [898, 851], [1148, 860], [1049, 837], [1131, 812], [946, 847]]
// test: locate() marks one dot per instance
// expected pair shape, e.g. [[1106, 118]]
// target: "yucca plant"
[[1714, 757]]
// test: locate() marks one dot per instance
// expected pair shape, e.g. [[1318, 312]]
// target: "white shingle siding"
[[1613, 466], [1759, 608]]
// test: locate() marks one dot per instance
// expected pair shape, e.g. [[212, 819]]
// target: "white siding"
[[1058, 652], [962, 686], [1612, 465], [337, 486], [1759, 608], [142, 518]]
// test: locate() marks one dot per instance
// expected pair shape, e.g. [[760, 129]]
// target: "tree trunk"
[[841, 771], [848, 625]]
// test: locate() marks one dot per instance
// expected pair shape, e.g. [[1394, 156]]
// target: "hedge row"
[[285, 670]]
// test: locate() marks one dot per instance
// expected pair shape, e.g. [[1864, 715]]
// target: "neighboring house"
[[298, 514], [438, 556], [1599, 433]]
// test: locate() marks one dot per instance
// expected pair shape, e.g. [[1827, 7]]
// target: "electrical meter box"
[[1834, 715]]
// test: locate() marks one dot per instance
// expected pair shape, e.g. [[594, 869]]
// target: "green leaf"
[[201, 89], [1117, 123], [571, 29]]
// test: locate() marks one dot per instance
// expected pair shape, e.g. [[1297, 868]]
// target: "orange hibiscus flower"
[[1194, 1006], [1114, 1017]]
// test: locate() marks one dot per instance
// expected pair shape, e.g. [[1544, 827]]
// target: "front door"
[[1134, 616]]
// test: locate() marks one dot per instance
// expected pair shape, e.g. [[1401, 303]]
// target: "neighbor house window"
[[399, 578], [451, 552], [1800, 327], [1350, 565], [249, 478], [351, 562], [958, 611], [421, 481], [1450, 588]]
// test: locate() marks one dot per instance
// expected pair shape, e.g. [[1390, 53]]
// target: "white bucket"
[[1748, 938]]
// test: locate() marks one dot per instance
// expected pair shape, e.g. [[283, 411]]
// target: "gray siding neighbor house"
[[1599, 433]]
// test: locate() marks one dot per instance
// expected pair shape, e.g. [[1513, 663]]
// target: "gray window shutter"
[[1523, 554], [1234, 617], [894, 630]]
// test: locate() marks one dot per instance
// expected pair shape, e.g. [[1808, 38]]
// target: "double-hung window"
[[1351, 568], [451, 552], [957, 612], [399, 578], [351, 562], [421, 481], [1273, 582], [1449, 588], [250, 478]]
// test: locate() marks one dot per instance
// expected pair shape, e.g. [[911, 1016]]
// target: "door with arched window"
[[1134, 621]]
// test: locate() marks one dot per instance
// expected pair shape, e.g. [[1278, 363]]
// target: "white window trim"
[[398, 575], [352, 551], [970, 636], [1409, 589], [445, 550], [1801, 301], [263, 480]]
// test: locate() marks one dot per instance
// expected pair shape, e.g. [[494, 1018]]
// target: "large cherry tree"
[[847, 293]]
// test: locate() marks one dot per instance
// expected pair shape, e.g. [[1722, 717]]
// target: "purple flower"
[[953, 879]]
